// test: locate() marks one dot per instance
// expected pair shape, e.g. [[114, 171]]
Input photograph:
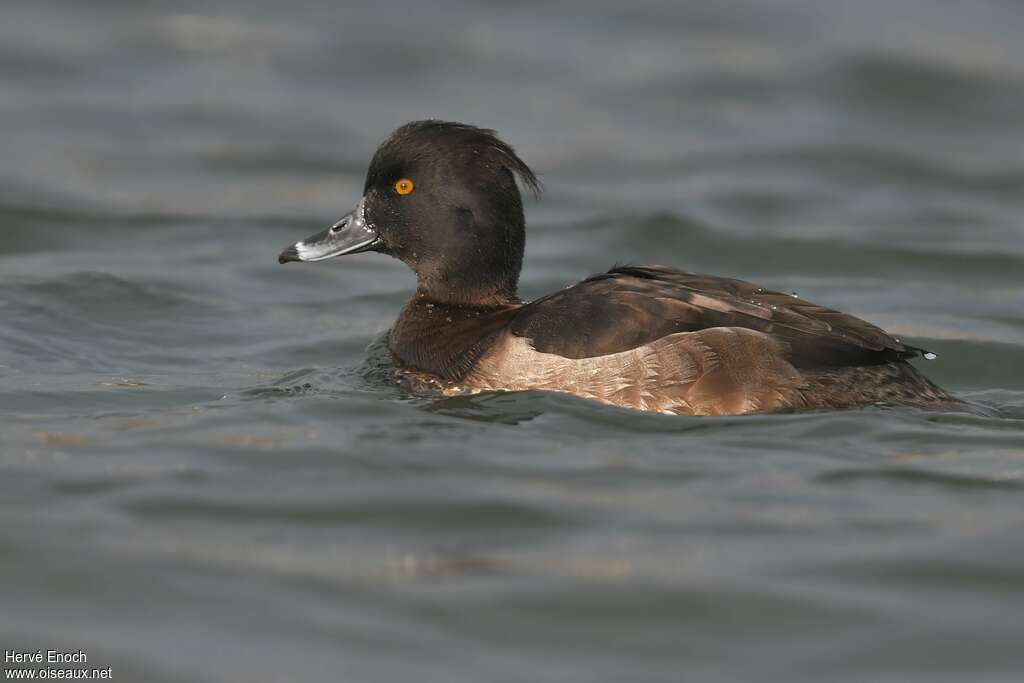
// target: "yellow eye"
[[404, 186]]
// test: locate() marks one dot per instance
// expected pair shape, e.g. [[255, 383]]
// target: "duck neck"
[[467, 294]]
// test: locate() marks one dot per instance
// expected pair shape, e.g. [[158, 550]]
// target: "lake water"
[[206, 473]]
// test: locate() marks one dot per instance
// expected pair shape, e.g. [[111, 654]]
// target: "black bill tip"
[[288, 255]]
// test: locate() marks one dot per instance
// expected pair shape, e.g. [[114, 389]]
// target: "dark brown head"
[[442, 197]]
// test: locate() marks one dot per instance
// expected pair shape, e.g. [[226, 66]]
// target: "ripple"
[[908, 476], [937, 92], [419, 515]]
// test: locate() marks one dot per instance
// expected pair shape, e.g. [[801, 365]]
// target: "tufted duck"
[[442, 197]]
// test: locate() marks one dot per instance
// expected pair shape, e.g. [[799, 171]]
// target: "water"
[[207, 475]]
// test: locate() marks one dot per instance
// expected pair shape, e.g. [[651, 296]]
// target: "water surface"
[[207, 474]]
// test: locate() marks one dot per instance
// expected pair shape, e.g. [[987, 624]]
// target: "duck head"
[[441, 197]]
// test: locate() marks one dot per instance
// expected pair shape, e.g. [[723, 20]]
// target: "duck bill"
[[350, 235]]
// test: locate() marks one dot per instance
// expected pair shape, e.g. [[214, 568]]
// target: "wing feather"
[[630, 306]]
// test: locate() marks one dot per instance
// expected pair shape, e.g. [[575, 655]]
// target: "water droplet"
[[448, 318], [759, 290], [928, 355], [794, 295], [774, 307], [897, 340]]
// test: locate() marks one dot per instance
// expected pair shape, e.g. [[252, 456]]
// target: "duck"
[[443, 198]]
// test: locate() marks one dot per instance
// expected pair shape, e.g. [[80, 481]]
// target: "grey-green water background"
[[206, 476]]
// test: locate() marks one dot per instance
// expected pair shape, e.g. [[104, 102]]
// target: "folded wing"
[[631, 306]]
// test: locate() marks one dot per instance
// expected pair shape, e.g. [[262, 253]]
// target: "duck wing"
[[630, 306]]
